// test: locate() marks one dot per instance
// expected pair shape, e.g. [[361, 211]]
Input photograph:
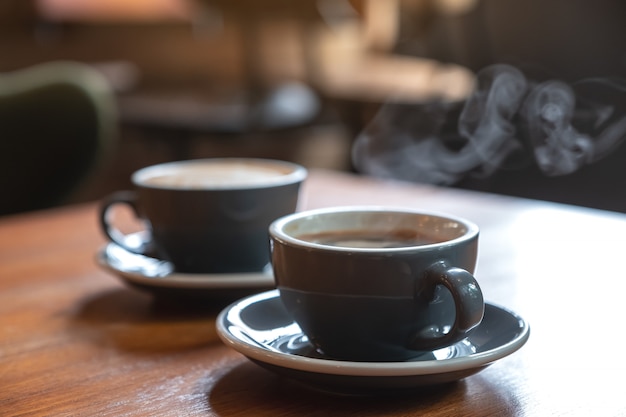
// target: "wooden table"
[[74, 340]]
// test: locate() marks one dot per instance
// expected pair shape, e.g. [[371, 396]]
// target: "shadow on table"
[[138, 322], [249, 387]]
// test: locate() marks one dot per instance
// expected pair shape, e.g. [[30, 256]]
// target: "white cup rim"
[[277, 229], [296, 173]]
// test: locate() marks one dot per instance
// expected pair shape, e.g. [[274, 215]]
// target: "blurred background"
[[392, 88]]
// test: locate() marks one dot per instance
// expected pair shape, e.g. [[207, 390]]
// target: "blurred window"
[[114, 10]]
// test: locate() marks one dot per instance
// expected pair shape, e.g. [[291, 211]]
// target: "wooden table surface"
[[76, 341]]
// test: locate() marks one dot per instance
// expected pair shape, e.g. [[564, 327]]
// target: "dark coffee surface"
[[395, 238]]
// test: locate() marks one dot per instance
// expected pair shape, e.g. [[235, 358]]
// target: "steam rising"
[[506, 123]]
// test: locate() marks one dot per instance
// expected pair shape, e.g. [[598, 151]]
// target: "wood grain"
[[74, 340]]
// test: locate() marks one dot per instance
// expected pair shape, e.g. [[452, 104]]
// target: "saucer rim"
[[188, 280], [368, 369]]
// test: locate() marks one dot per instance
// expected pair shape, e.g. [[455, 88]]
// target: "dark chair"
[[58, 122]]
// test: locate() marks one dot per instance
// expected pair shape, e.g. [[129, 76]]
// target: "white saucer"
[[160, 276], [260, 328]]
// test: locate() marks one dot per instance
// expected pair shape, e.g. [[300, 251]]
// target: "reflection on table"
[[77, 339]]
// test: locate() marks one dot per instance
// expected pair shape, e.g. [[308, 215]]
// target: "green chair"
[[58, 123]]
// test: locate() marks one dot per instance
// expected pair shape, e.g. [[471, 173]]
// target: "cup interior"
[[370, 228], [219, 173]]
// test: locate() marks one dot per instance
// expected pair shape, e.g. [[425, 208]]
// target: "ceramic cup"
[[376, 283], [208, 215]]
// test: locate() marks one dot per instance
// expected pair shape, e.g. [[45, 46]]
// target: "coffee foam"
[[216, 174]]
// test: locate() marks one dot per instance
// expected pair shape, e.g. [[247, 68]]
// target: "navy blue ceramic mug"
[[208, 215], [376, 283]]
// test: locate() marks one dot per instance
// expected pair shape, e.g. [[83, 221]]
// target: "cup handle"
[[129, 198], [468, 301]]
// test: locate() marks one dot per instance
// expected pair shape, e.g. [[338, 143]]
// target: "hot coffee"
[[208, 215], [214, 174], [376, 283], [396, 238]]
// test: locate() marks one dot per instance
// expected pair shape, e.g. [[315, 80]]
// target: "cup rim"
[[297, 173], [276, 229]]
